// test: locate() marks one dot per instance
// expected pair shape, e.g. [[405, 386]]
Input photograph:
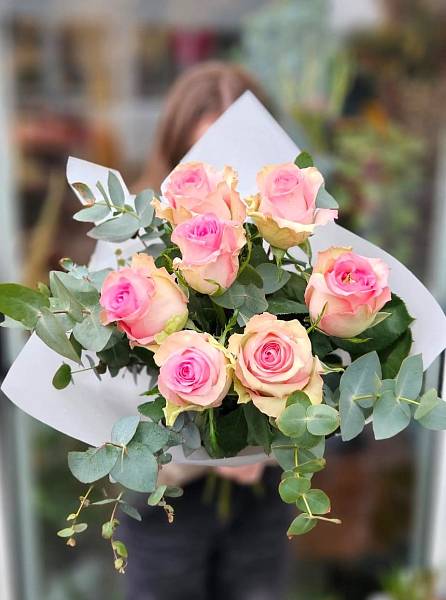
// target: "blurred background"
[[361, 85]]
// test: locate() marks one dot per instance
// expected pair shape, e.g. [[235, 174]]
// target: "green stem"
[[212, 432], [409, 401], [219, 310], [365, 397], [248, 256]]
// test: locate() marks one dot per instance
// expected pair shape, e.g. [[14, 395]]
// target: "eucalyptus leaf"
[[137, 469], [322, 419], [410, 378], [292, 421], [115, 190], [144, 207], [291, 488], [84, 192], [91, 334], [94, 463], [157, 495], [317, 501], [118, 229], [50, 331], [325, 200], [124, 430], [62, 377], [301, 524], [390, 415], [191, 436], [67, 300], [151, 435], [93, 213], [274, 278], [359, 379], [131, 511], [431, 413]]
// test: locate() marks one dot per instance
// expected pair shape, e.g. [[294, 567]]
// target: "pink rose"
[[209, 249], [194, 372], [144, 301], [352, 288], [197, 188], [273, 360], [285, 210]]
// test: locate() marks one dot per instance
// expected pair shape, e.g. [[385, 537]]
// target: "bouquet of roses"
[[239, 336]]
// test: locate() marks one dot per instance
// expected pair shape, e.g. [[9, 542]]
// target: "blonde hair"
[[205, 90]]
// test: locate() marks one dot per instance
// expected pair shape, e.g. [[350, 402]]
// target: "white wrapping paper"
[[246, 137]]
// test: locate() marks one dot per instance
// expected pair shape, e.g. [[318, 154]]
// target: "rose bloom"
[[353, 288], [209, 249], [195, 372], [143, 301], [197, 188], [273, 360], [285, 210]]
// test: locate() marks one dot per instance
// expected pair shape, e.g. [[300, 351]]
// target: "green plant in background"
[[418, 584], [302, 63], [379, 172]]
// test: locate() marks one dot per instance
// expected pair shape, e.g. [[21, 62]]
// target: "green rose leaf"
[[153, 410], [392, 357], [91, 334], [390, 415], [62, 377], [283, 306], [322, 419], [291, 488], [115, 190], [317, 500], [144, 208], [273, 277], [124, 430], [381, 336], [325, 200], [410, 378], [301, 524], [294, 289], [50, 331], [94, 463], [137, 469], [118, 229], [22, 304], [431, 413], [304, 160], [91, 214], [359, 379], [259, 431]]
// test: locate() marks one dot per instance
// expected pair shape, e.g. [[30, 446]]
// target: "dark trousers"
[[204, 557]]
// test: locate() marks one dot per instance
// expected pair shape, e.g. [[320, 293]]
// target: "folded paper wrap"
[[246, 137]]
